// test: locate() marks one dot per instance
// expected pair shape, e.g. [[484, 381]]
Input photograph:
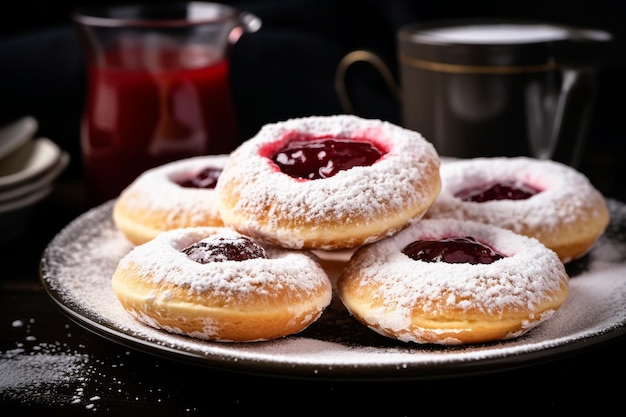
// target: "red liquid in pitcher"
[[138, 118]]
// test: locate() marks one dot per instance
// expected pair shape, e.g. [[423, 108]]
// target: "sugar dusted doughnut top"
[[453, 302], [213, 283], [177, 194], [163, 262], [564, 211], [353, 206]]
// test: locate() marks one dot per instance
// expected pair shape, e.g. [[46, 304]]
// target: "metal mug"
[[494, 87]]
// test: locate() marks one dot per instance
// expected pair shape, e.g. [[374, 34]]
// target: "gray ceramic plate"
[[77, 265]]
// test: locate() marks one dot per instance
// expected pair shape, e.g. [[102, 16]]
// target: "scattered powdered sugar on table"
[[79, 263], [44, 373]]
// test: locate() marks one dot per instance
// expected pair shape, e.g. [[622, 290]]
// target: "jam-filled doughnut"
[[539, 198], [451, 282], [215, 284], [178, 194], [328, 182]]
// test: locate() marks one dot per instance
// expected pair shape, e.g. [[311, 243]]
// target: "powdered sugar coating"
[[257, 199], [252, 299], [567, 201], [529, 277], [162, 260], [157, 188], [155, 201]]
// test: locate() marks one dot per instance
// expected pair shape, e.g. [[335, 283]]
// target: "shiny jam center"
[[207, 178], [452, 250], [507, 190], [324, 157], [221, 249]]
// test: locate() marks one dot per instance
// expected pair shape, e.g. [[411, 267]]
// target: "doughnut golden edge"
[[451, 328], [139, 223], [209, 317], [575, 239]]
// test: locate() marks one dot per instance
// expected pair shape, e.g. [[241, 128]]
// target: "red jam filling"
[[224, 249], [324, 157], [506, 190], [207, 178], [452, 250]]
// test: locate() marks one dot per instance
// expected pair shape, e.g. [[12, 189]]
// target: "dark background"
[[287, 68]]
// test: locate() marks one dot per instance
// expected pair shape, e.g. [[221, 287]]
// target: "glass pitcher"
[[158, 87]]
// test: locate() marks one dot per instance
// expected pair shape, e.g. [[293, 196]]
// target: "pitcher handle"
[[246, 23], [250, 22], [361, 56]]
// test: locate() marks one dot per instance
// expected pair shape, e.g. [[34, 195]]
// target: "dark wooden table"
[[49, 364]]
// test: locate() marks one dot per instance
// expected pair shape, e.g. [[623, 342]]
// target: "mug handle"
[[574, 110], [574, 107], [371, 58]]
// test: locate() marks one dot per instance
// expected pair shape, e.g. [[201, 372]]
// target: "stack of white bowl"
[[29, 165]]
